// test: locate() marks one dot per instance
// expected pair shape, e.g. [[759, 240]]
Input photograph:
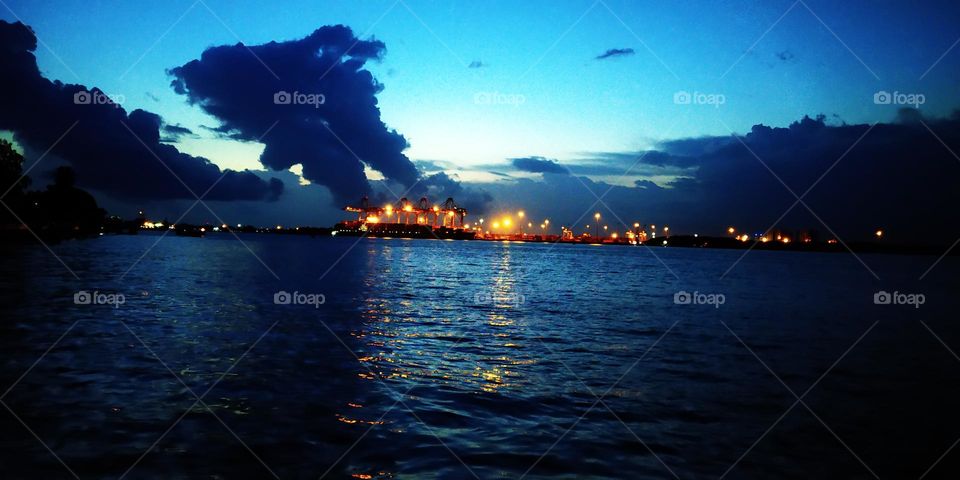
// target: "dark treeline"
[[59, 211]]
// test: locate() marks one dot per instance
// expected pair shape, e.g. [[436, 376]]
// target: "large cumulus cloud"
[[326, 118], [111, 151]]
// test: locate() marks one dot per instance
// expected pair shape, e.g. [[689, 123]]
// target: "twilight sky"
[[512, 100]]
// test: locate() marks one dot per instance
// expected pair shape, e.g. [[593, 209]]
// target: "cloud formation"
[[537, 165], [314, 97], [897, 176], [111, 151], [615, 52]]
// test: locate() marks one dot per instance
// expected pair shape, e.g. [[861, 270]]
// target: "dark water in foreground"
[[462, 359]]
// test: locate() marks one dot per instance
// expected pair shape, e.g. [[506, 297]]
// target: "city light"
[[879, 233], [730, 230]]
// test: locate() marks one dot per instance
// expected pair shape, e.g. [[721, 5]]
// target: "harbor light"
[[496, 225], [730, 230], [546, 222], [507, 222], [520, 214], [879, 233]]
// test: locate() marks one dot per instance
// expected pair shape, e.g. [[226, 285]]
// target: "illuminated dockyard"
[[406, 219]]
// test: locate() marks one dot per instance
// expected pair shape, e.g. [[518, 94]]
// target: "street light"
[[596, 217]]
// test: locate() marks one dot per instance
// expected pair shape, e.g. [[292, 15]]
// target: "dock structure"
[[405, 212], [407, 219]]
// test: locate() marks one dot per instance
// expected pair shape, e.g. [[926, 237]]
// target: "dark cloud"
[[476, 64], [785, 55], [615, 52], [315, 98], [537, 165], [176, 132], [111, 151], [898, 176], [442, 186]]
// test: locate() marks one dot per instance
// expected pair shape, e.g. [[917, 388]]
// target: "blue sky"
[[537, 51]]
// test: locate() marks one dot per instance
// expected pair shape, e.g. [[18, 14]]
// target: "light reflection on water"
[[495, 348]]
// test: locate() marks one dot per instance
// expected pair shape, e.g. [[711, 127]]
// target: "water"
[[446, 359]]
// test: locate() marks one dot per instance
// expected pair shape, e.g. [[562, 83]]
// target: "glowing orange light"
[[879, 233], [730, 230], [373, 219], [407, 208]]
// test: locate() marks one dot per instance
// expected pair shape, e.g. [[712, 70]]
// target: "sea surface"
[[455, 359]]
